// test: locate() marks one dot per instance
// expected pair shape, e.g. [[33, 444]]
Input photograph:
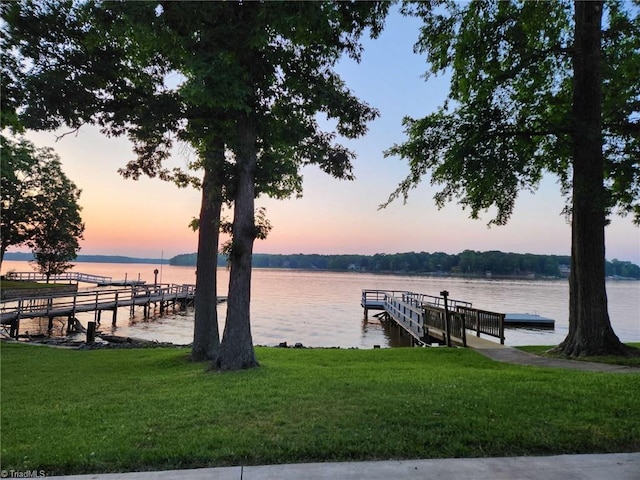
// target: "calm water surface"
[[322, 309]]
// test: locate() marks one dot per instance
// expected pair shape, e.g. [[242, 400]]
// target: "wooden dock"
[[75, 277], [68, 305], [429, 319], [529, 320]]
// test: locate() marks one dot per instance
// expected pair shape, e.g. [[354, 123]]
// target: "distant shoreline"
[[26, 257], [20, 256]]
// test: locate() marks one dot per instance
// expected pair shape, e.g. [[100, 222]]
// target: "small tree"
[[39, 206], [53, 252], [56, 235], [20, 180]]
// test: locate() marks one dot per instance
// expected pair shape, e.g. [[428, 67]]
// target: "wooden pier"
[[74, 277], [429, 319], [68, 305], [529, 320]]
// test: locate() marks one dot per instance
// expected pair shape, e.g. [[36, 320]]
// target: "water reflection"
[[322, 309], [393, 335]]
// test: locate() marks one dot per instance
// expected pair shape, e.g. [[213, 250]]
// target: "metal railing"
[[67, 276], [66, 304], [423, 299], [379, 296], [423, 315], [482, 321], [450, 323]]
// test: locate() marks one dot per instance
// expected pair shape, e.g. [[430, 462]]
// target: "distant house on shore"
[[564, 270]]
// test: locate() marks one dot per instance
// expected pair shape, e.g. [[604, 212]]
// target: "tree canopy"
[[536, 87], [508, 117], [253, 78]]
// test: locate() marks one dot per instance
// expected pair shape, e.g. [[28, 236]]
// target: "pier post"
[[447, 323], [91, 332], [75, 301], [148, 305], [95, 315], [15, 328], [115, 312]]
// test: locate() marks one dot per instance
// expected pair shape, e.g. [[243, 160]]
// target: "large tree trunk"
[[236, 350], [590, 331], [206, 338]]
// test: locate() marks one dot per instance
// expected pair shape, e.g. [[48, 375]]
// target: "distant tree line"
[[469, 262], [28, 257]]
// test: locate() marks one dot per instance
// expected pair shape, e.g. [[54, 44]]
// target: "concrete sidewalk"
[[504, 353], [616, 466]]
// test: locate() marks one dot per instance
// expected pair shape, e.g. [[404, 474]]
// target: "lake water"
[[322, 309]]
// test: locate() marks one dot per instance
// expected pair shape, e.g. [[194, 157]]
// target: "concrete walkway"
[[617, 466], [503, 353]]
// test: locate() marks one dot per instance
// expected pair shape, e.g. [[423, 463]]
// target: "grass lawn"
[[22, 284], [67, 411]]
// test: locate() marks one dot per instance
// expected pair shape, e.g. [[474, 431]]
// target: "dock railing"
[[66, 304], [375, 297], [454, 329], [407, 314], [67, 276], [482, 321], [435, 301], [425, 316]]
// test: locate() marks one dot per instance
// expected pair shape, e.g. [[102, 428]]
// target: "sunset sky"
[[150, 218]]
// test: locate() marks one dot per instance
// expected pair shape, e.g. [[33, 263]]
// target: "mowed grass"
[[66, 411], [22, 284]]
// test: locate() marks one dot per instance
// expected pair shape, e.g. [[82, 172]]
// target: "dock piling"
[[91, 332], [447, 318], [115, 311]]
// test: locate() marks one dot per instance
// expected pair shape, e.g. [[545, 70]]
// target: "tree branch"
[[74, 131]]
